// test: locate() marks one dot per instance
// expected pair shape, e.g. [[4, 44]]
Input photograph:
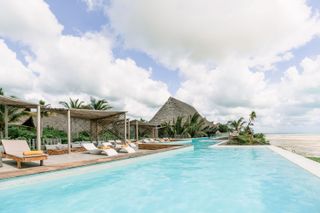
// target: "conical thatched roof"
[[172, 109]]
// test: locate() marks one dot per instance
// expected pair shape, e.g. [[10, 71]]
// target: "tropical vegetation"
[[73, 104], [242, 132], [14, 114], [192, 126], [94, 104]]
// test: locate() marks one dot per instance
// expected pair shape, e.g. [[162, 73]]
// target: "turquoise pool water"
[[196, 180]]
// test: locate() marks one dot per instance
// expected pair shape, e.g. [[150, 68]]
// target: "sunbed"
[[19, 151], [127, 149], [133, 145], [92, 149]]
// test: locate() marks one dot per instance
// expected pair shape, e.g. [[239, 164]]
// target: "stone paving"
[[66, 161]]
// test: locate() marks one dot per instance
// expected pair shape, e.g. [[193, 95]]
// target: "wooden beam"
[[38, 127], [137, 130], [129, 130], [69, 130], [125, 127], [6, 121]]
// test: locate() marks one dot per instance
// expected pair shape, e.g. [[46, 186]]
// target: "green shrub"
[[82, 136], [223, 128], [248, 139], [21, 132]]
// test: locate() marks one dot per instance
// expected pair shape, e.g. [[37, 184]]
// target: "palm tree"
[[44, 112], [73, 104], [195, 126], [101, 104], [252, 117], [168, 129], [237, 125], [14, 113], [179, 127]]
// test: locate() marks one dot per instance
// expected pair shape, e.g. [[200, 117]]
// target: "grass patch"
[[317, 159]]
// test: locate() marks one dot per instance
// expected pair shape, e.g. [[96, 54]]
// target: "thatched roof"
[[88, 114], [172, 109], [10, 101]]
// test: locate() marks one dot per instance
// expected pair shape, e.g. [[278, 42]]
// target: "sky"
[[226, 58]]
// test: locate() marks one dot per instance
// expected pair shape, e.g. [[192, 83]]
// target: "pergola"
[[145, 125], [96, 117], [14, 102]]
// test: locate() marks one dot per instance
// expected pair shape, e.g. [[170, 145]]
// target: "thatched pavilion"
[[100, 120], [143, 127], [172, 109]]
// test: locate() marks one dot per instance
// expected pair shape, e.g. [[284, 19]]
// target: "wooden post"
[[129, 129], [96, 134], [153, 132], [156, 132], [137, 130], [69, 130], [6, 121], [38, 127], [125, 127]]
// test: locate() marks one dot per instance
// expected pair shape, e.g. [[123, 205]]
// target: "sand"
[[307, 145]]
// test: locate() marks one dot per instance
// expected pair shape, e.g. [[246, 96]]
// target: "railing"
[[47, 141]]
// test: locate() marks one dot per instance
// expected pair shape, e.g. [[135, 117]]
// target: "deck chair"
[[18, 150], [127, 149], [92, 149], [133, 145]]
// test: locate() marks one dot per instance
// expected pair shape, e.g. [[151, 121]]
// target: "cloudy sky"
[[226, 58]]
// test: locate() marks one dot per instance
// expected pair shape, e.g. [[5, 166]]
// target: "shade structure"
[[14, 102], [10, 101], [145, 125], [96, 117]]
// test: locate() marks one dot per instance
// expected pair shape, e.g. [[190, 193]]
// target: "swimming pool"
[[195, 180]]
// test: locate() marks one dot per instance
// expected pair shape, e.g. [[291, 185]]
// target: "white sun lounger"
[[127, 149], [146, 140], [134, 146], [14, 149], [92, 149]]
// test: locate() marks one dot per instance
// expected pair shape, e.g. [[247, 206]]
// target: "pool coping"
[[305, 163], [76, 164]]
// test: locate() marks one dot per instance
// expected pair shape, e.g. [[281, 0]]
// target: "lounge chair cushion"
[[29, 153]]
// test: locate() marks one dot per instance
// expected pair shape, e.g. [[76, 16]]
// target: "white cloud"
[[28, 22], [216, 45], [77, 66], [14, 75], [212, 30]]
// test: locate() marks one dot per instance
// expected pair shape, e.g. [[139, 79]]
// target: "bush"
[[82, 136], [247, 139], [24, 132], [21, 132], [223, 128], [50, 132]]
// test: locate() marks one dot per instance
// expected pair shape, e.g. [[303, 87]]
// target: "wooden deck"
[[56, 163]]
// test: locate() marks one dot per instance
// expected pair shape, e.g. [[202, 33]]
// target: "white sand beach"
[[304, 144]]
